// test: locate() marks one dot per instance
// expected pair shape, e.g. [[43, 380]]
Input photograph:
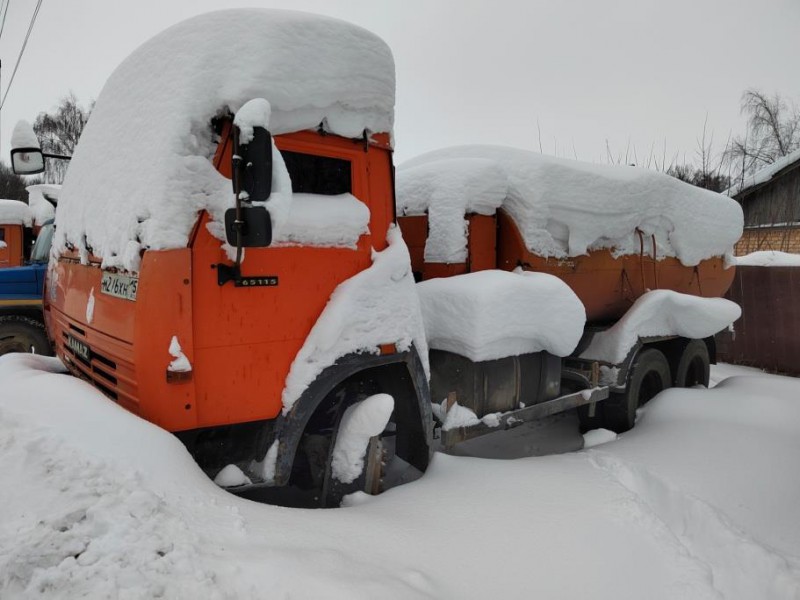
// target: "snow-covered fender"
[[401, 375]]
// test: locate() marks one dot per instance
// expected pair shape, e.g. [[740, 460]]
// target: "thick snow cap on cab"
[[565, 207], [142, 172], [14, 212]]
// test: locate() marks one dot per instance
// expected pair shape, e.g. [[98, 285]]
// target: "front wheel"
[[649, 375], [23, 334]]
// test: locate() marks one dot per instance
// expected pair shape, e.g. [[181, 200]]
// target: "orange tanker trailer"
[[613, 234]]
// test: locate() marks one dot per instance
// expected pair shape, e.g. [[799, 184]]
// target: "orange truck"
[[227, 266]]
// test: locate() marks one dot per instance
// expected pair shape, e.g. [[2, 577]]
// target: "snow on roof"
[[763, 175], [567, 207], [15, 212], [41, 209], [493, 314], [23, 136], [662, 312], [142, 172], [769, 258]]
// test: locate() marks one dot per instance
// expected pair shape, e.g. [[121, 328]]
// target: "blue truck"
[[21, 320]]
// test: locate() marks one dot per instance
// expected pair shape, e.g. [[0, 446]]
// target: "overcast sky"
[[634, 73]]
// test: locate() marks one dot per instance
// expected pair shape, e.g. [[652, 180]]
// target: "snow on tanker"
[[227, 265]]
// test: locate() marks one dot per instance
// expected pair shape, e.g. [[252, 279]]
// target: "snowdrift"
[[700, 501]]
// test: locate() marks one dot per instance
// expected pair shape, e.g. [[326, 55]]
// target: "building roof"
[[764, 175]]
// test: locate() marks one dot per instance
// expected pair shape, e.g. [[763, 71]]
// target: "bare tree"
[[12, 186], [708, 174], [773, 131], [59, 132]]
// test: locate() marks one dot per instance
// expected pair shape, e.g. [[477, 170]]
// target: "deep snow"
[[700, 500]]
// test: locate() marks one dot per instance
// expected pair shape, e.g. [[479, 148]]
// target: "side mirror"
[[27, 161], [256, 227], [255, 166], [26, 155]]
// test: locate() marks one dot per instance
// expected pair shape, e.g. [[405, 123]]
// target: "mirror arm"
[[237, 189], [57, 156]]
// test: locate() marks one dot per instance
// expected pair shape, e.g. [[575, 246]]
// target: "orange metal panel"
[[415, 233], [129, 340], [12, 254], [482, 242], [247, 338], [608, 286], [432, 270]]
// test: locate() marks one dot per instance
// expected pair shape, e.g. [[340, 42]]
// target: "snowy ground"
[[701, 500]]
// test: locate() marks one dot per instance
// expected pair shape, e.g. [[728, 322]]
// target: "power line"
[[5, 14], [22, 51]]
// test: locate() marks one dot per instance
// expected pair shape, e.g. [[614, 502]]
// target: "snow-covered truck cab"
[[253, 354]]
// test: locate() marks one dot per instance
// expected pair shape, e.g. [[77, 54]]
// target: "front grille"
[[103, 361]]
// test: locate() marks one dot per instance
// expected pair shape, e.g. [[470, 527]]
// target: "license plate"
[[120, 286], [79, 348]]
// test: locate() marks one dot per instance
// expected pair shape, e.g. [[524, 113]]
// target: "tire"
[[371, 479], [313, 465], [694, 366], [23, 334], [649, 375]]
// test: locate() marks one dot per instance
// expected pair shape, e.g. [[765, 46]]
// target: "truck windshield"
[[312, 174], [41, 249]]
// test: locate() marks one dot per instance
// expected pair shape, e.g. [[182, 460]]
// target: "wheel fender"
[[290, 426]]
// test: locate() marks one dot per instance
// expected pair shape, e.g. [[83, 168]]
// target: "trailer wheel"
[[23, 334], [694, 366], [649, 375]]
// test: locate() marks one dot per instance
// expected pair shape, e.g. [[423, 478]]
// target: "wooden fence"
[[768, 333]]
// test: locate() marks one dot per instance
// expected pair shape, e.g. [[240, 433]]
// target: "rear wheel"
[[649, 375], [694, 366], [23, 334]]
